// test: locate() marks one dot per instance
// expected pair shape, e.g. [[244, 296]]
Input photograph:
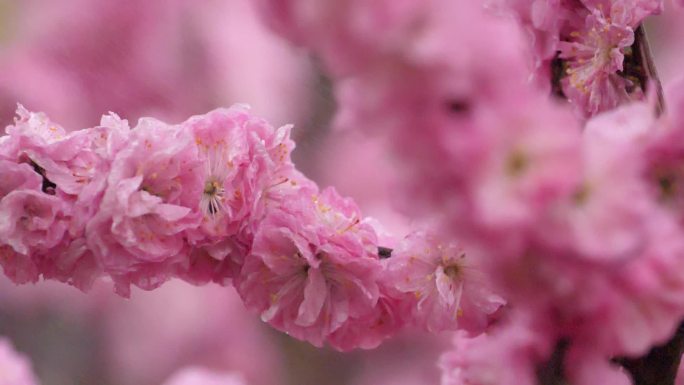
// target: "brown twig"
[[639, 68], [552, 372], [660, 365]]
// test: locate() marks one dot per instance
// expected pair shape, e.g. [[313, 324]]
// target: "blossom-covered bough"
[[556, 237]]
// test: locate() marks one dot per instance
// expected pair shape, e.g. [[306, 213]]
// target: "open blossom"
[[242, 157], [33, 221], [595, 56], [582, 45], [442, 283], [152, 197], [200, 376], [313, 267], [246, 165], [15, 369]]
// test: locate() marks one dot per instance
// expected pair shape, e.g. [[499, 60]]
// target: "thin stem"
[[645, 69]]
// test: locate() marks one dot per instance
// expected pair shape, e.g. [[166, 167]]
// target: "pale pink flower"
[[168, 59], [15, 369], [33, 222], [509, 356], [346, 34], [443, 284], [313, 267], [606, 217], [242, 157], [246, 166], [640, 301], [387, 318], [201, 376]]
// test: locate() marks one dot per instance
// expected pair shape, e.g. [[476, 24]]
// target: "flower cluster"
[[217, 198], [589, 47], [138, 205]]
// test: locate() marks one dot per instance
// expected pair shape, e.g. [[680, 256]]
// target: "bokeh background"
[[78, 59]]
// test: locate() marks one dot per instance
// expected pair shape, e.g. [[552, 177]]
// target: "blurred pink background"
[[78, 59]]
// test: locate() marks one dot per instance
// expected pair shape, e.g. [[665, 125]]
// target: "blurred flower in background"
[[78, 59]]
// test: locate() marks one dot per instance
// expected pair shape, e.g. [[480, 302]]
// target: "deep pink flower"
[[313, 267], [595, 55]]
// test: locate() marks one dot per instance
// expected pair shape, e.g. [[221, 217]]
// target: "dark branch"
[[551, 372], [48, 186], [639, 68], [660, 365], [384, 252]]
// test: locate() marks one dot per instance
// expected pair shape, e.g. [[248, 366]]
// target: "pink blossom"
[[15, 369], [153, 195], [444, 286], [347, 34], [387, 318], [242, 156], [606, 217], [595, 55], [33, 222], [506, 357], [246, 166], [640, 302], [313, 267], [593, 37]]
